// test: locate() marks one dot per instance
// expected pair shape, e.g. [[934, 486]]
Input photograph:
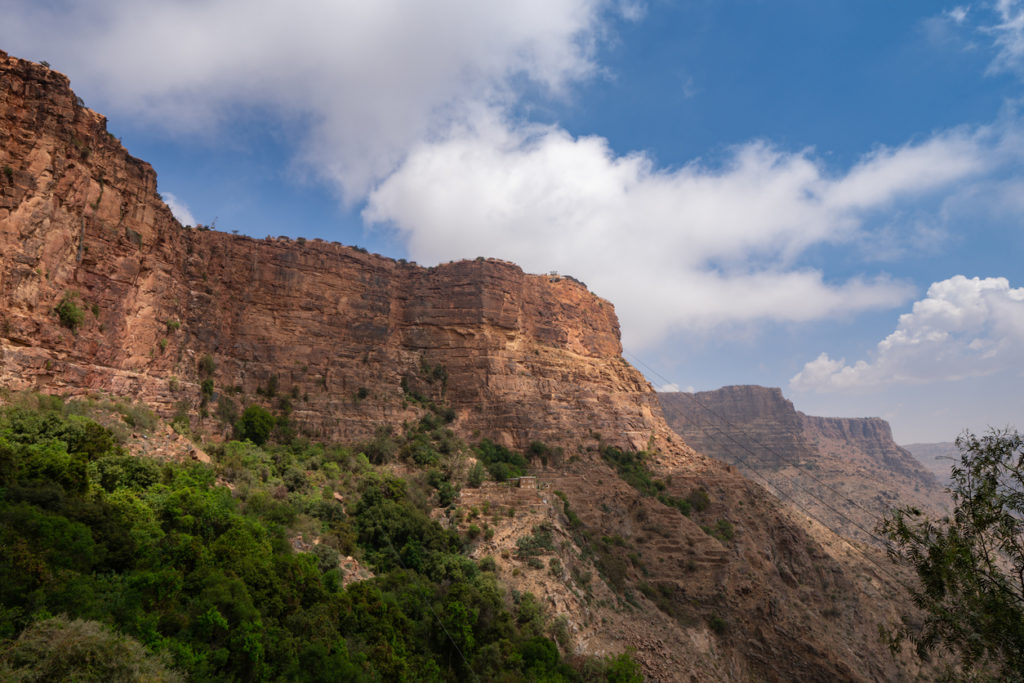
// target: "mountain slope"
[[101, 290], [845, 471]]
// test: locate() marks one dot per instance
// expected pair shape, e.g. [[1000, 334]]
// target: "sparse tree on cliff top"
[[970, 566]]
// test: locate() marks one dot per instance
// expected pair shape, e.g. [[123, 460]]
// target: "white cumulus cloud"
[[362, 80], [693, 247], [179, 209], [963, 328], [673, 387], [959, 13]]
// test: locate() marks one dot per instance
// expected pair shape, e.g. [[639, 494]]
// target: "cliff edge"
[[345, 335]]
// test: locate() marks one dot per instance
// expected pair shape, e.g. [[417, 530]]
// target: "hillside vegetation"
[[192, 568]]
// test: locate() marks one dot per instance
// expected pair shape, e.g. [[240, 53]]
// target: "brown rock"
[[329, 322], [845, 472]]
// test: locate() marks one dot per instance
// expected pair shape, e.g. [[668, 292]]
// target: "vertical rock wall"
[[345, 333]]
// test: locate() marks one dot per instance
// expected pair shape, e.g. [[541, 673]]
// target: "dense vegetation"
[[159, 561], [632, 467]]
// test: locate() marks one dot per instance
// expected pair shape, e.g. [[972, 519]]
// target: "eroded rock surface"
[[338, 331]]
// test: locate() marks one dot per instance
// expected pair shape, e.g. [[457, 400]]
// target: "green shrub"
[[477, 473], [699, 499], [180, 420], [207, 366], [723, 530], [227, 411], [446, 494], [622, 668], [254, 425], [137, 415], [718, 624], [538, 542], [62, 649], [70, 315], [500, 462], [546, 454]]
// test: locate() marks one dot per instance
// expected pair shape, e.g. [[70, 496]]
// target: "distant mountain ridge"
[[939, 458], [845, 471]]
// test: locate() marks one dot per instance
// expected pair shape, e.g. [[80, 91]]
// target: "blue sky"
[[820, 195]]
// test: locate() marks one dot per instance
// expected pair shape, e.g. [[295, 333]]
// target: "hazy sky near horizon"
[[822, 195]]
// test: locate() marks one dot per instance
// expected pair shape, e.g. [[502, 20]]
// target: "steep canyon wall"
[[526, 357]]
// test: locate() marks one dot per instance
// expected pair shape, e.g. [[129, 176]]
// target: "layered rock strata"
[[347, 337], [846, 472]]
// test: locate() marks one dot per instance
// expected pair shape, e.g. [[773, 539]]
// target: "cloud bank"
[[965, 327], [1008, 36], [692, 247], [363, 80]]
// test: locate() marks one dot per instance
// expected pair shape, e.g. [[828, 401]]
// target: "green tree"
[[970, 566], [70, 315], [255, 425], [207, 365]]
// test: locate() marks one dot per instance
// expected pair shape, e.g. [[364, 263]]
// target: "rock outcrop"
[[101, 290], [846, 472], [344, 336]]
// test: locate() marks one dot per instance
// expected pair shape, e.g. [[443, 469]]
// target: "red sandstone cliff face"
[[347, 336], [527, 357]]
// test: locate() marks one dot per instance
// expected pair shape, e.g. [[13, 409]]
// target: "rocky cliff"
[[346, 336], [101, 290], [846, 471]]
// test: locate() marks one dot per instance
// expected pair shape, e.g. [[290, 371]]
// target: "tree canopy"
[[970, 565], [151, 570]]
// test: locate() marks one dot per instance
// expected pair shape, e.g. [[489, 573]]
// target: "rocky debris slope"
[[759, 598], [101, 290], [845, 472]]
